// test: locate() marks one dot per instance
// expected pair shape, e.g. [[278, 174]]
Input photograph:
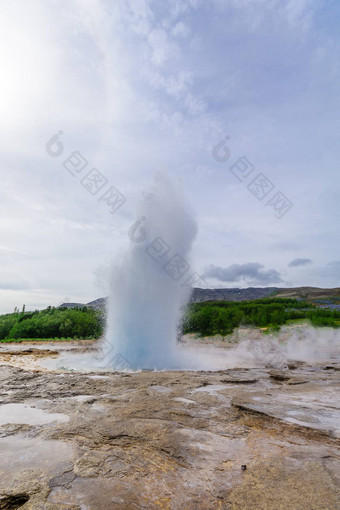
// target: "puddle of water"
[[19, 454], [101, 494], [80, 398], [22, 413], [319, 419], [159, 389], [211, 388], [99, 377], [313, 408], [98, 407], [185, 400], [321, 407]]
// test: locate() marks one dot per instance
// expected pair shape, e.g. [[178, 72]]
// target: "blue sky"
[[142, 86]]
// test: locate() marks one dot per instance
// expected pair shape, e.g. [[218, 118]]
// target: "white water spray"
[[148, 289]]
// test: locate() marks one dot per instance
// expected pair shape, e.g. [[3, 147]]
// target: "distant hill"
[[98, 303], [321, 297], [199, 295], [71, 305], [314, 294]]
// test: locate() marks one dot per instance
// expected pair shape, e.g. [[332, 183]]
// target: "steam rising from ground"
[[311, 344], [146, 294], [246, 348], [254, 349]]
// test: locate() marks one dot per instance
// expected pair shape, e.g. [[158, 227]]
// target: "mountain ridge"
[[311, 294]]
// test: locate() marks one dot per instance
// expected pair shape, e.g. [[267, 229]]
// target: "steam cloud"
[[145, 301]]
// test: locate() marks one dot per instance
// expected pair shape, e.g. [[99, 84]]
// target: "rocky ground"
[[250, 438]]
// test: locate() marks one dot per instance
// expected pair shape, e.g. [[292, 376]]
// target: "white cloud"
[[181, 29], [162, 48]]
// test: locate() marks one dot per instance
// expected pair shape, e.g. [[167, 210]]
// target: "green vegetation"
[[221, 317], [205, 319], [52, 323]]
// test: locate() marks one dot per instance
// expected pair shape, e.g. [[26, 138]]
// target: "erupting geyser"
[[149, 286]]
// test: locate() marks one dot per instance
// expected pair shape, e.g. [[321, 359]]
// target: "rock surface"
[[170, 440]]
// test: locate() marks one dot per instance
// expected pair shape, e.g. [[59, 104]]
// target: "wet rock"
[[204, 383], [285, 485], [12, 500], [332, 367], [62, 480], [38, 353], [279, 375], [235, 380], [172, 440], [294, 364], [309, 409], [296, 380]]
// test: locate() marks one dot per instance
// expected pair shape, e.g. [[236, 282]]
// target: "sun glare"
[[22, 75]]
